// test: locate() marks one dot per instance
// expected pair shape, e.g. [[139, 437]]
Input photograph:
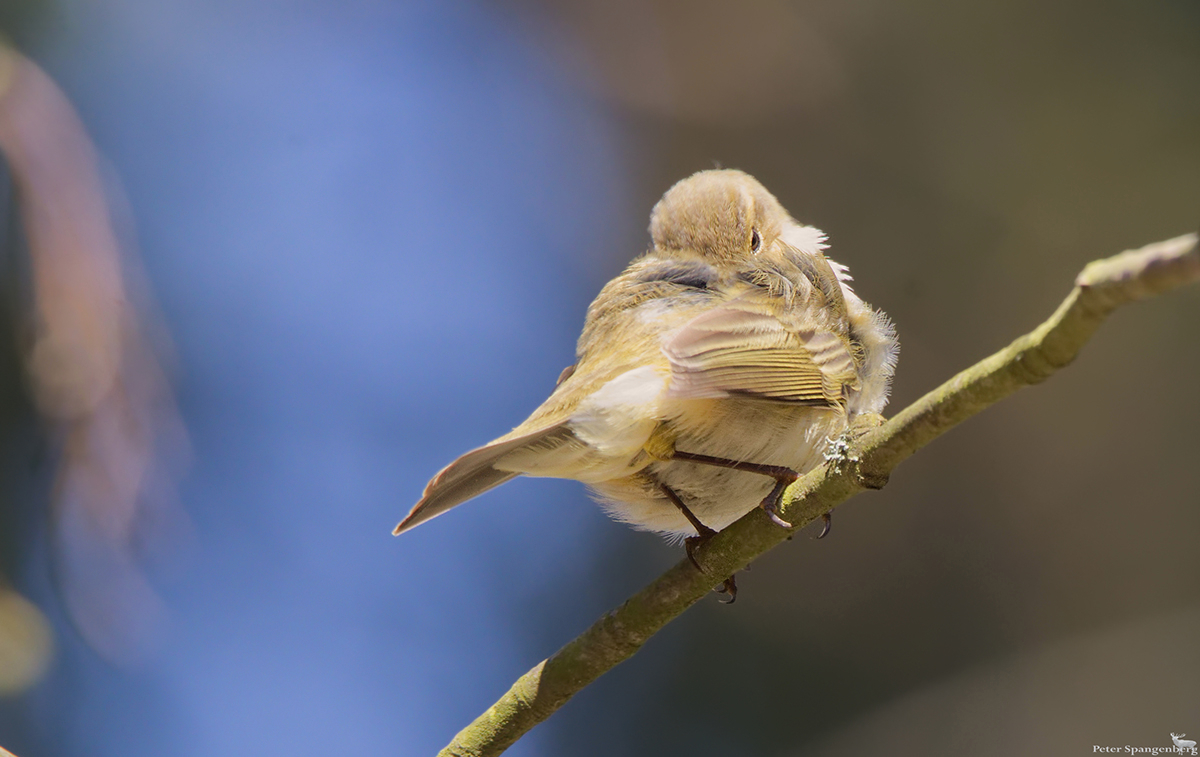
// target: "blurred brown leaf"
[[94, 377]]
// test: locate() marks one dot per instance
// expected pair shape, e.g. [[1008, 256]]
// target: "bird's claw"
[[770, 504], [691, 544], [728, 587], [825, 528]]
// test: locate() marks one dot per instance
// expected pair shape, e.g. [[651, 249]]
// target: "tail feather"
[[469, 476]]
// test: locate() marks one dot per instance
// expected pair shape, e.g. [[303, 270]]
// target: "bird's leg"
[[784, 477], [703, 534]]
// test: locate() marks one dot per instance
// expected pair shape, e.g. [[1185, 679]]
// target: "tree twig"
[[869, 459]]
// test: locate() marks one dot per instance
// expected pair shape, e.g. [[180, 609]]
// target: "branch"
[[1102, 287]]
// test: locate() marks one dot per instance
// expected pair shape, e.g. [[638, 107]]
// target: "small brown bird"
[[711, 373]]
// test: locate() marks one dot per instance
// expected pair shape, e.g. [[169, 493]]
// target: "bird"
[[711, 373]]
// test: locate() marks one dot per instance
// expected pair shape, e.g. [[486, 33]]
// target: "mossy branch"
[[872, 454]]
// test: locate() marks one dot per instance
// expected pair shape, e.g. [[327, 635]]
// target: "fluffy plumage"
[[733, 337]]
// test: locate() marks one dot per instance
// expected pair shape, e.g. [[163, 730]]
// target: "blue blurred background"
[[371, 230]]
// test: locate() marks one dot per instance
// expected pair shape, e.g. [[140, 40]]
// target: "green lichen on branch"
[[873, 452]]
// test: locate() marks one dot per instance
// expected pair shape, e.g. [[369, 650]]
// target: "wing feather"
[[743, 349]]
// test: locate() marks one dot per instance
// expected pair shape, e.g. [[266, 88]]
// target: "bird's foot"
[[770, 504], [692, 543]]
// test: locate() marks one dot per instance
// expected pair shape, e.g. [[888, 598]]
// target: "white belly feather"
[[743, 430], [613, 425]]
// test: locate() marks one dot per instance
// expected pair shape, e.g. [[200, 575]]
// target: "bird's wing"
[[474, 473], [743, 349]]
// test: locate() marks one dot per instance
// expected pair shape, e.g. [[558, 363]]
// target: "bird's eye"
[[755, 241]]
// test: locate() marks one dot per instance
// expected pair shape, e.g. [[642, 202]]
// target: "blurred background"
[[268, 266]]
